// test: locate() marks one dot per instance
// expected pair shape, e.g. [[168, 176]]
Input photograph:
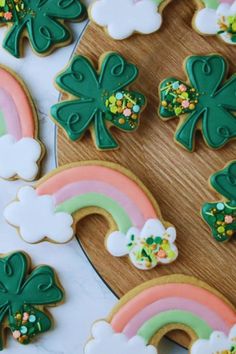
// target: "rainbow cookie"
[[41, 22], [25, 292], [122, 18], [98, 100], [155, 308], [52, 209], [216, 17], [20, 150], [221, 215], [205, 102]]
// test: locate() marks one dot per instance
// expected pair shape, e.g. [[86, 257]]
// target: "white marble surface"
[[87, 297]]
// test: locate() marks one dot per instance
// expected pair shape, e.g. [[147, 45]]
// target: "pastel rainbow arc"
[[105, 186], [16, 108], [172, 302]]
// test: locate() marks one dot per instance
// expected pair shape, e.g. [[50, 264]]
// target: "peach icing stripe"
[[158, 292]]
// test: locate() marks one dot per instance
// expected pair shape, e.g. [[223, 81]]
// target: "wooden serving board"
[[178, 179]]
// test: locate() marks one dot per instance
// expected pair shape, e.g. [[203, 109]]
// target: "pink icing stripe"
[[106, 175], [93, 186], [15, 90], [175, 303], [10, 114], [187, 291]]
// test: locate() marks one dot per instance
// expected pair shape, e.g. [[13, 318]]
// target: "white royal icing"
[[19, 158], [124, 17], [36, 218], [218, 343], [212, 21], [147, 247], [106, 341]]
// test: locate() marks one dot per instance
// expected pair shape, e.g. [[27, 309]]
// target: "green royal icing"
[[210, 103], [212, 4], [102, 99], [3, 128], [221, 216], [100, 201], [158, 322], [23, 296], [41, 20]]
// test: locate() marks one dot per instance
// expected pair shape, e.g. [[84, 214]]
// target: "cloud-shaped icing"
[[217, 21], [217, 344], [36, 218], [19, 158], [146, 248], [106, 341], [124, 17]]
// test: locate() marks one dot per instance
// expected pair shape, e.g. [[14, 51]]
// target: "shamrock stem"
[[104, 139], [12, 40], [185, 134]]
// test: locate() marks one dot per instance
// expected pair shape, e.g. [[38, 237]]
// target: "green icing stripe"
[[101, 201], [3, 128], [212, 4], [156, 323]]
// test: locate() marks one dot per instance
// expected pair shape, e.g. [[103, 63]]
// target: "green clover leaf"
[[23, 297], [221, 216], [42, 21], [210, 103], [98, 100]]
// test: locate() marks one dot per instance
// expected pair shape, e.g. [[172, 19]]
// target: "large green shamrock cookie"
[[39, 20], [23, 296], [221, 216], [205, 102], [98, 100]]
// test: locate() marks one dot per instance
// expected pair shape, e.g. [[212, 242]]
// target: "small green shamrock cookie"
[[98, 100], [221, 216], [41, 21], [205, 102], [24, 294]]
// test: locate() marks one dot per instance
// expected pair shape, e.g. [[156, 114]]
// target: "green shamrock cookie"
[[221, 216], [206, 102], [98, 100], [39, 20], [23, 296]]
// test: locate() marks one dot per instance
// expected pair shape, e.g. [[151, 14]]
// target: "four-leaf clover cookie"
[[221, 215], [41, 21], [24, 292], [98, 100], [206, 102]]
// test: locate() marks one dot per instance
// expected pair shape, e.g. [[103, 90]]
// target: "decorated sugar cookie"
[[52, 209], [122, 18], [221, 215], [25, 292], [147, 313], [42, 22], [20, 150], [204, 102], [98, 100], [217, 17]]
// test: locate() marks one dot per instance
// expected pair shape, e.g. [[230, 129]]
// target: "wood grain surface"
[[177, 179]]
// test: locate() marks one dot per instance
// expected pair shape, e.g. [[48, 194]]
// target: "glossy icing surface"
[[99, 99], [213, 108]]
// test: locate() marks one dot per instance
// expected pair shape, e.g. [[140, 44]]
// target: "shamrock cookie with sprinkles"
[[21, 151], [221, 216], [122, 18], [41, 22], [98, 100], [52, 210], [25, 292], [205, 102], [143, 316], [217, 17]]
